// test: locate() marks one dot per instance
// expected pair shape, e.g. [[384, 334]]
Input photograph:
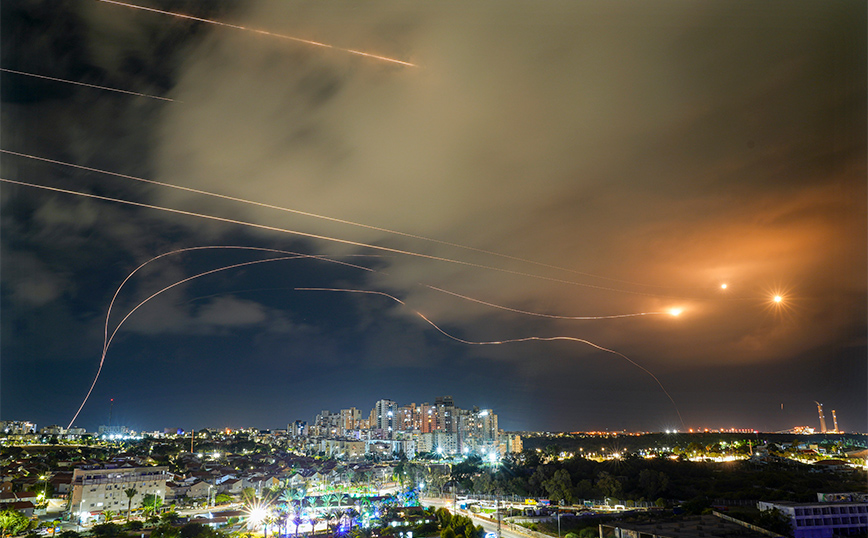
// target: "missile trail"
[[66, 81], [211, 247], [538, 314], [263, 32], [291, 255], [511, 340], [323, 237], [108, 339], [350, 223]]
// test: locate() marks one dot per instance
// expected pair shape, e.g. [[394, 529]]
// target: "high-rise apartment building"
[[386, 411], [408, 418], [349, 421], [427, 418], [446, 419]]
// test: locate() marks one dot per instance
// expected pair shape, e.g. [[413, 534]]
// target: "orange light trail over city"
[[551, 316], [263, 32], [66, 81], [510, 340], [107, 339]]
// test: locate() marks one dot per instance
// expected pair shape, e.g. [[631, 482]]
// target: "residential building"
[[386, 411], [17, 427], [97, 488], [823, 519]]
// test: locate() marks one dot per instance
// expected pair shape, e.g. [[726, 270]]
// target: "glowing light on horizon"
[[107, 88], [263, 32]]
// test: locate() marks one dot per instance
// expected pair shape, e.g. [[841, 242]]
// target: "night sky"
[[539, 161]]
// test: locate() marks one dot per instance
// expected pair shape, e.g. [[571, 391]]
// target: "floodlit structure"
[[822, 417], [96, 488]]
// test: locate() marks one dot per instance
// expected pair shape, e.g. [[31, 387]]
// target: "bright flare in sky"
[[723, 286], [675, 311], [778, 298]]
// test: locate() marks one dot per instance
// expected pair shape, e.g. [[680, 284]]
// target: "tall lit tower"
[[822, 417], [835, 421]]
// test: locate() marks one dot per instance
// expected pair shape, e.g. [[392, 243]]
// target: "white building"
[[97, 488], [823, 519]]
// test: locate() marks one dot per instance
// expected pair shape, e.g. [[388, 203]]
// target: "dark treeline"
[[655, 479]]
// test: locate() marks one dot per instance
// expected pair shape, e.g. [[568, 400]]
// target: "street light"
[[560, 502]]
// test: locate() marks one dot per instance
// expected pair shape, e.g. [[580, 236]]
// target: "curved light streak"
[[511, 340], [67, 81], [264, 32], [108, 339], [539, 314]]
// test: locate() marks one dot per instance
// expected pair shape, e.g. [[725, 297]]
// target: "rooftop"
[[692, 527]]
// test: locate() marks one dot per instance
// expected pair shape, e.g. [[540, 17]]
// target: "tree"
[[774, 520], [169, 517], [151, 503], [652, 483], [447, 533], [297, 521], [560, 486], [106, 530], [130, 493], [13, 522], [133, 526], [609, 485], [109, 515]]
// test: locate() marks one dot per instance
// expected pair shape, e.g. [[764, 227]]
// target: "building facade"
[[823, 519], [99, 488]]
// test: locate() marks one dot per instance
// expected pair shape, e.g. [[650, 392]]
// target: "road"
[[506, 530]]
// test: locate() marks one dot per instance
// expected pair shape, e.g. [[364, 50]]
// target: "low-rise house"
[[25, 507], [175, 491], [199, 490], [233, 486]]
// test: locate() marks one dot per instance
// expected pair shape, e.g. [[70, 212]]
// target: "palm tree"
[[53, 526], [313, 521], [108, 515], [130, 492], [296, 519]]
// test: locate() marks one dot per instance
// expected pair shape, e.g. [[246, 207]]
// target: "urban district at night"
[[412, 269]]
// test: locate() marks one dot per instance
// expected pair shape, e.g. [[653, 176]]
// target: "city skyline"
[[611, 215]]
